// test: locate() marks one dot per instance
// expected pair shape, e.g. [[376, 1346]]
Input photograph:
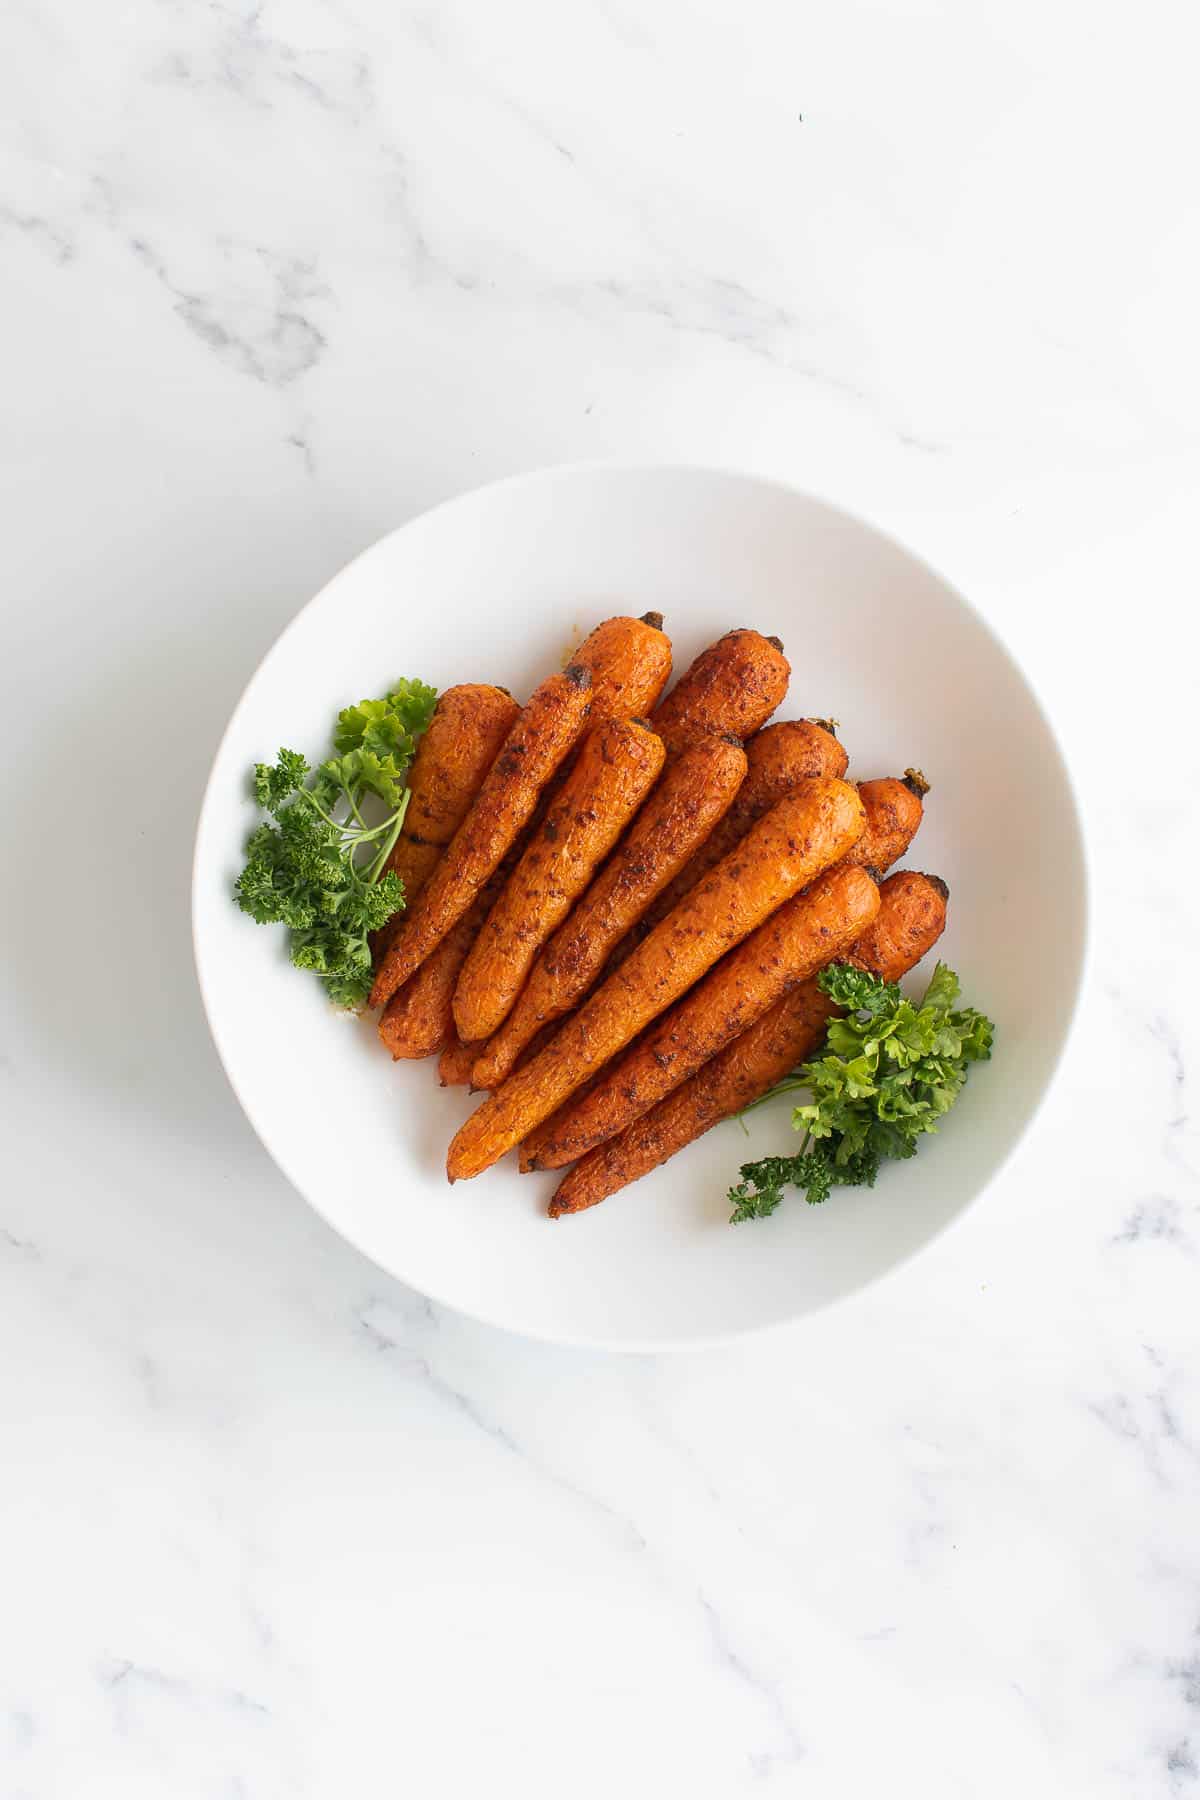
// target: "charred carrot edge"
[[806, 933], [618, 763], [788, 848], [733, 685], [692, 794], [911, 918], [544, 733]]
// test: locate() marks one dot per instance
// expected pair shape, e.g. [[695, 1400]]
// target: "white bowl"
[[497, 586]]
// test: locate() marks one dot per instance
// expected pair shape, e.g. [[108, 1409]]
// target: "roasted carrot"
[[693, 792], [617, 765], [454, 1064], [418, 1020], [886, 838], [629, 661], [464, 1071], [735, 685], [816, 927], [808, 830], [463, 740], [894, 812], [777, 758], [545, 731], [911, 918]]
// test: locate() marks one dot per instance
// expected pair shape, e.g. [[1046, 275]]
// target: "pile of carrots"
[[618, 903]]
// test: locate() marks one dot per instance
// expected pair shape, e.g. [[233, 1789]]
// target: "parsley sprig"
[[891, 1070], [319, 867]]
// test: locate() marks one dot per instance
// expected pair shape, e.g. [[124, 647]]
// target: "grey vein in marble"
[[258, 321], [412, 1360], [255, 66], [763, 1763], [43, 233]]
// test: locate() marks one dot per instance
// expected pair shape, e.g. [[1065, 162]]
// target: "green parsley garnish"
[[318, 869], [890, 1072]]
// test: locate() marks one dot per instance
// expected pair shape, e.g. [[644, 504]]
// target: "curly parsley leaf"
[[387, 727], [891, 1071], [318, 867], [274, 785], [856, 990]]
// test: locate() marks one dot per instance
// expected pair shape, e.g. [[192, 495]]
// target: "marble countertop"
[[276, 276]]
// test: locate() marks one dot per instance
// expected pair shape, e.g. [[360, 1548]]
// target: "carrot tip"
[[653, 619], [578, 675], [916, 783], [777, 642], [942, 887]]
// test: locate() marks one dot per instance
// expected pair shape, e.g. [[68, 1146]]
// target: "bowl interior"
[[498, 586]]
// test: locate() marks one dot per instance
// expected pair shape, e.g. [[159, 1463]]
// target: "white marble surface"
[[275, 277]]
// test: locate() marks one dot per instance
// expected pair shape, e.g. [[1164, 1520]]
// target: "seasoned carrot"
[[617, 765], [777, 758], [911, 918], [693, 792], [629, 661], [418, 1020], [545, 731], [735, 685], [894, 812], [816, 927], [471, 1053], [454, 1064], [809, 829], [886, 840], [463, 740]]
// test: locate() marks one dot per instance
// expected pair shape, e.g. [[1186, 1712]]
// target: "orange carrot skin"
[[776, 759], [617, 765], [454, 1064], [418, 1020], [735, 685], [884, 843], [743, 1072], [911, 918], [629, 661], [790, 846], [894, 813], [462, 741], [689, 798], [545, 731], [816, 927]]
